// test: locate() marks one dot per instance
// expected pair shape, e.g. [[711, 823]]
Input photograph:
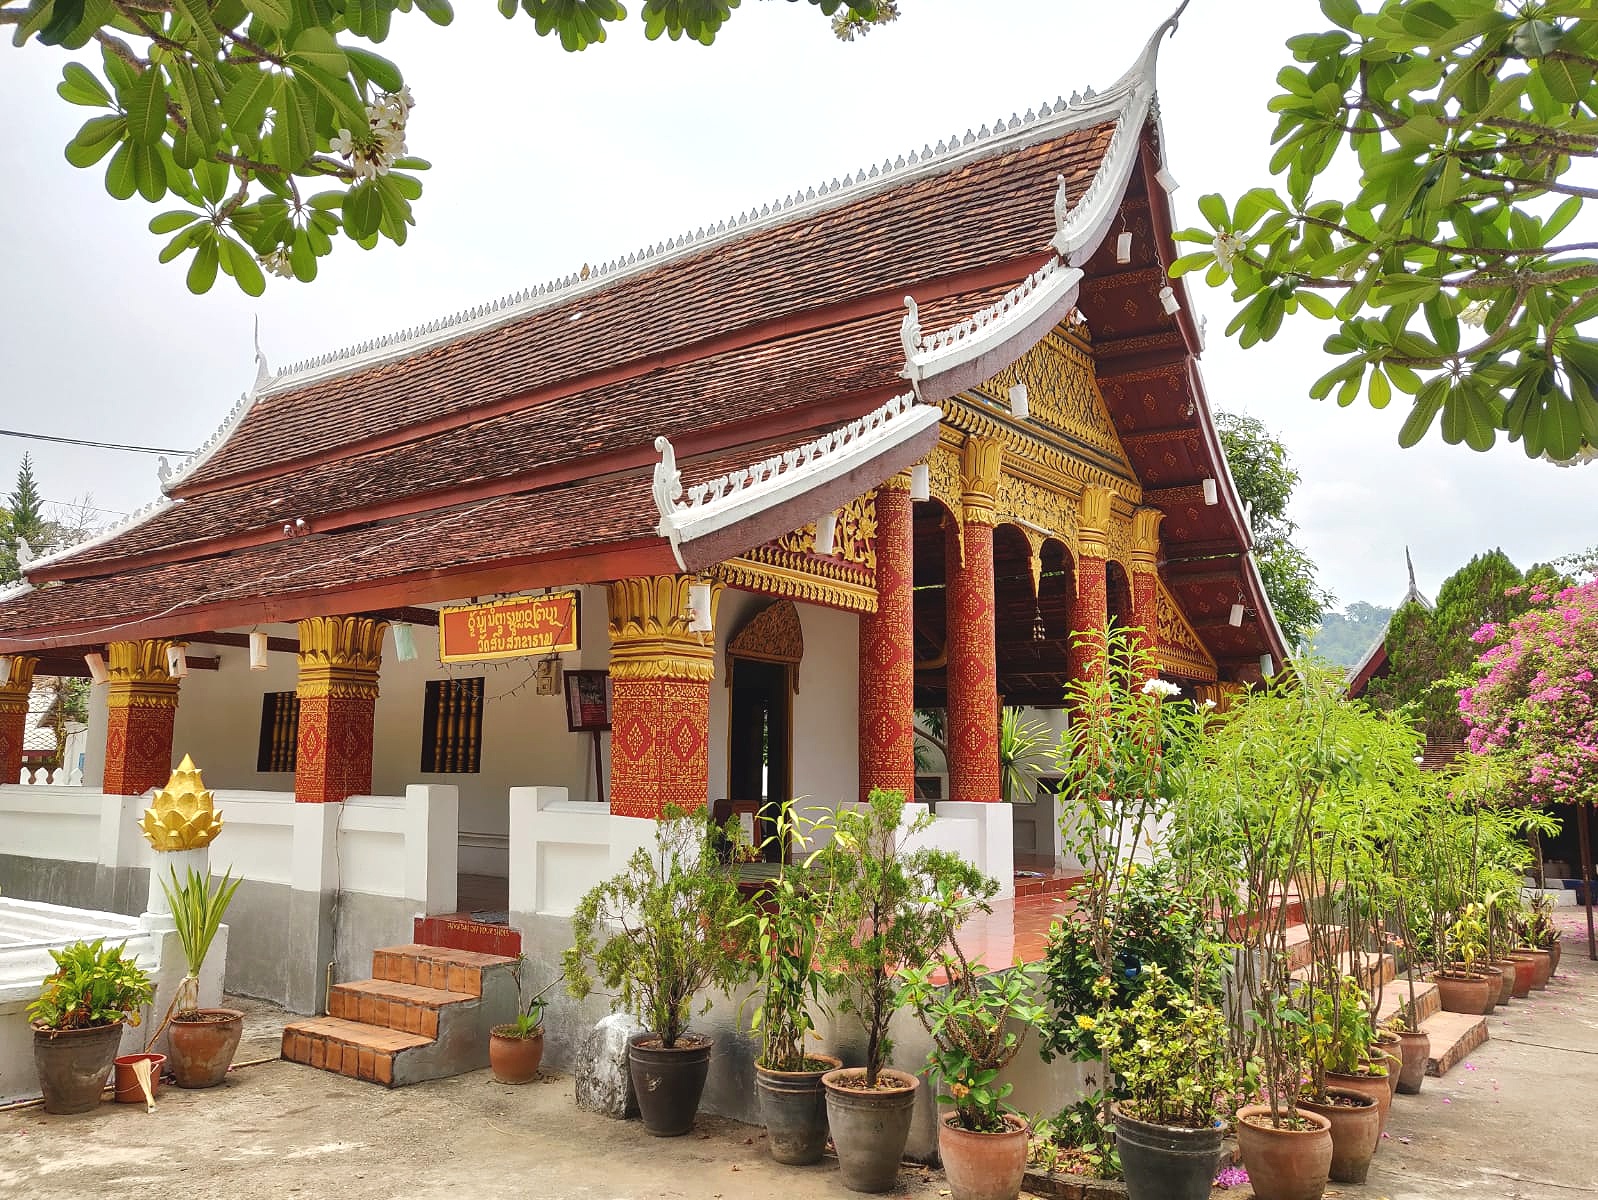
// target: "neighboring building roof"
[[771, 363], [1374, 664]]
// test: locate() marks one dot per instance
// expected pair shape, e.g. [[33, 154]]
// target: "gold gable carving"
[[1062, 392], [855, 540], [1178, 647], [772, 635]]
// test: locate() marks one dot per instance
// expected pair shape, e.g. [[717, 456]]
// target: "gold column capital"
[[649, 637], [1093, 522], [981, 461], [139, 678], [1145, 549], [895, 483], [14, 692], [340, 656]]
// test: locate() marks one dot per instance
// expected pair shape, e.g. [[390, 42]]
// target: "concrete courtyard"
[[1510, 1123]]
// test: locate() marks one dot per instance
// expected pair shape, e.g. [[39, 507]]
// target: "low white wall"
[[50, 822]]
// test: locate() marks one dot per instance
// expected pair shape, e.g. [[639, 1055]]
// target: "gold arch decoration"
[[1178, 647], [772, 635]]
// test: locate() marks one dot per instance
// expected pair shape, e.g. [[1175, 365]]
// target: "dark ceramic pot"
[[794, 1106], [74, 1065], [668, 1083], [869, 1127], [1166, 1162]]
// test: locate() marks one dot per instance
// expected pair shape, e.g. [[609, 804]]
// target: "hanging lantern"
[[1211, 494], [921, 482], [257, 650], [404, 642], [1267, 665], [1123, 249], [1236, 617], [699, 620], [826, 534], [1168, 300], [1018, 402], [177, 661]]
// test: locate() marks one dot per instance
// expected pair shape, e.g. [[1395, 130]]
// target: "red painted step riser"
[[452, 933]]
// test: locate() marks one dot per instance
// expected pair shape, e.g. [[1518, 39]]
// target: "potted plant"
[[200, 1041], [77, 1021], [657, 936], [886, 915], [1171, 1067], [1338, 1036], [786, 926], [1461, 986], [1021, 754], [516, 1048], [1540, 931], [968, 1014]]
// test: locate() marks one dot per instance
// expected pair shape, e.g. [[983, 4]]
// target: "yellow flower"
[[1083, 1021]]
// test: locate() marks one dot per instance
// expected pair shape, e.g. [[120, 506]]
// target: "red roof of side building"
[[518, 441]]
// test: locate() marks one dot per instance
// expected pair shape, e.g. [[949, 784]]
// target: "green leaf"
[[363, 210], [318, 48], [173, 220], [278, 14], [1381, 392], [202, 271], [439, 12], [1427, 406], [292, 128], [146, 105], [119, 178], [1427, 20], [95, 139], [240, 263], [375, 67], [79, 86], [1213, 206]]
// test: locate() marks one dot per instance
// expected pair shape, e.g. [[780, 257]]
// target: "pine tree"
[[24, 520]]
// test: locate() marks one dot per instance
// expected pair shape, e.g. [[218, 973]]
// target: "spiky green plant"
[[197, 909]]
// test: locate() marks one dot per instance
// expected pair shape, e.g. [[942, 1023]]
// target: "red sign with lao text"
[[520, 626]]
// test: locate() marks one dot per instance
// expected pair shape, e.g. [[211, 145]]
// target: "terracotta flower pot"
[[1461, 993], [1284, 1164], [1416, 1051], [125, 1081], [73, 1065], [1542, 965], [869, 1127], [1374, 1086], [1506, 973], [514, 1059], [201, 1045], [1387, 1046], [1525, 972], [794, 1107], [1356, 1123], [983, 1166], [1165, 1162], [1553, 955]]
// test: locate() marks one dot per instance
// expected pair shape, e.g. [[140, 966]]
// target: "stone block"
[[604, 1084]]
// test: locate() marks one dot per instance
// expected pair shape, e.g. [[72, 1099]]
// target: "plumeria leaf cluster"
[[274, 124], [1534, 702], [1458, 274]]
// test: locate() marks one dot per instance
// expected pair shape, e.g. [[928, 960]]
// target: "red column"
[[141, 703], [14, 717], [1145, 575], [339, 662], [660, 697], [973, 722], [1090, 610], [887, 652]]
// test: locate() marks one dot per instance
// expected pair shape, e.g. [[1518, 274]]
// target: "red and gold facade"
[[14, 716], [339, 660], [887, 651], [141, 704]]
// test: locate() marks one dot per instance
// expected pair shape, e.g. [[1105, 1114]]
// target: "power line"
[[67, 441]]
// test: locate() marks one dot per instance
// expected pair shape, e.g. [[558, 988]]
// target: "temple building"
[[467, 607]]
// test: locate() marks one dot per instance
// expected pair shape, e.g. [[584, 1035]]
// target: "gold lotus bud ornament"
[[181, 816]]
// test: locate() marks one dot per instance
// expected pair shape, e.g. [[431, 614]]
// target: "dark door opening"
[[760, 745]]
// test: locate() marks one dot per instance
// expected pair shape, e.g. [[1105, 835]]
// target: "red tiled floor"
[[1015, 930]]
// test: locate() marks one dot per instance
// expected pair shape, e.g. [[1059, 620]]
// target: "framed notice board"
[[587, 701]]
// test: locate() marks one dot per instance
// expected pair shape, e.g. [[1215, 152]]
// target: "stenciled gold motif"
[[181, 815], [1038, 512], [981, 463], [1218, 694], [14, 692], [340, 656], [780, 573], [649, 637], [772, 635], [139, 677], [1062, 392], [855, 540], [1178, 647]]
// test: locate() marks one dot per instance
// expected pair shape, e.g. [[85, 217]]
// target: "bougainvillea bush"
[[1535, 701]]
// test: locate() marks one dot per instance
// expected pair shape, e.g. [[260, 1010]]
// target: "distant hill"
[[1345, 637]]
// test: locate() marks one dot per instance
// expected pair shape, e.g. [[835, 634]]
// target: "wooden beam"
[[277, 645]]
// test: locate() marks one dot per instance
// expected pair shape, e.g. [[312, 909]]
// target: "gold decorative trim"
[[139, 677], [1178, 647], [649, 637], [1094, 507], [1062, 393], [981, 463], [1145, 547], [855, 540], [753, 573], [340, 657], [896, 483], [772, 635], [14, 692]]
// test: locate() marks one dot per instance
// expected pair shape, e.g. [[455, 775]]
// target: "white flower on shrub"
[[1159, 687]]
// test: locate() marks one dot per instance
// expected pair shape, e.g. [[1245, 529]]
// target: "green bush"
[[91, 986]]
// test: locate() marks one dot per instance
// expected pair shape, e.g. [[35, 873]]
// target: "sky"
[[544, 161]]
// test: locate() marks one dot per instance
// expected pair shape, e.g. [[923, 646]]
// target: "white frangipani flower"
[[1475, 313], [1159, 687], [1209, 704], [343, 143], [1227, 247], [276, 262]]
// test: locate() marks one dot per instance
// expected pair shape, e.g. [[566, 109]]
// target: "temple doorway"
[[762, 676]]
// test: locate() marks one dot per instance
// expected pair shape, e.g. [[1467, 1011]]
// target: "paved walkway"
[[1515, 1122]]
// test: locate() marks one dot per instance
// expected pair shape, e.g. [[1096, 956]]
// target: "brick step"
[[426, 1015], [348, 1047], [1369, 967], [1453, 1035], [1300, 953], [436, 967], [458, 931], [1428, 1000], [403, 1006]]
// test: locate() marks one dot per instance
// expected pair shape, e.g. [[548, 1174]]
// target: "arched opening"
[[763, 674]]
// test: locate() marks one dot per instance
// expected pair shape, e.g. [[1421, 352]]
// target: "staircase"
[[425, 1014]]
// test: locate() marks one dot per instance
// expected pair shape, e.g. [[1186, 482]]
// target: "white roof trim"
[[738, 495], [131, 521], [973, 337]]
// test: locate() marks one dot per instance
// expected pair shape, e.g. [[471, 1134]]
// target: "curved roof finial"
[[1143, 69]]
